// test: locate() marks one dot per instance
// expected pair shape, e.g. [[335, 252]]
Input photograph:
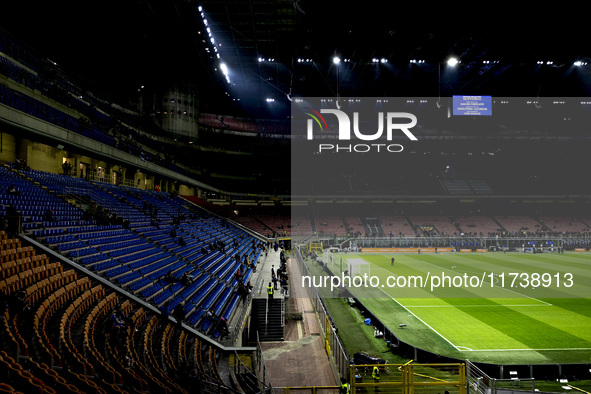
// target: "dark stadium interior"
[[150, 165]]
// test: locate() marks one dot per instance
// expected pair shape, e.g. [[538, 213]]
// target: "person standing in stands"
[[270, 291], [169, 278], [376, 376], [284, 286], [179, 313], [48, 216], [13, 221], [222, 327]]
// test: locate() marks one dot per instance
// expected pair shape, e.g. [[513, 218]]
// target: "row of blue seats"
[[158, 238], [226, 261], [137, 273], [40, 110], [168, 243], [219, 305], [165, 268], [160, 297], [201, 259], [207, 303], [167, 292], [131, 276], [206, 266], [82, 252], [121, 248], [60, 238], [141, 252], [228, 272], [95, 258], [22, 202], [148, 260], [123, 233], [151, 230], [38, 205], [33, 219], [83, 229], [156, 278], [193, 303], [193, 287], [56, 231], [62, 221], [161, 264], [186, 250], [105, 265], [70, 245], [230, 308]]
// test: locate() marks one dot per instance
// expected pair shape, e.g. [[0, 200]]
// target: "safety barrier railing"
[[409, 378]]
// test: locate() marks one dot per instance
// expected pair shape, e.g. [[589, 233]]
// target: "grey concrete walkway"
[[301, 359]]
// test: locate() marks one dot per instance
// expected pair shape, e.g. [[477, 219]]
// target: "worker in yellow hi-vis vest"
[[270, 291], [344, 387], [376, 376]]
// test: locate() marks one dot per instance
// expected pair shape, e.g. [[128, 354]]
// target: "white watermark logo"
[[386, 122]]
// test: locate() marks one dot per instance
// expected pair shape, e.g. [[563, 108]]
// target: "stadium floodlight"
[[452, 61], [224, 68], [336, 60]]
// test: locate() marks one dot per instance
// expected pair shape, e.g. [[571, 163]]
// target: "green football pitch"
[[523, 309]]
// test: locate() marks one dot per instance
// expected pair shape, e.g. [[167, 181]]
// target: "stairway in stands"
[[269, 323]]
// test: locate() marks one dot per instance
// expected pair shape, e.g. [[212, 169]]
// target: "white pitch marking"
[[421, 320], [533, 350], [461, 306], [503, 288]]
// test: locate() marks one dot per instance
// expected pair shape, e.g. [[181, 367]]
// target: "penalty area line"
[[474, 306], [421, 320], [494, 285], [524, 350]]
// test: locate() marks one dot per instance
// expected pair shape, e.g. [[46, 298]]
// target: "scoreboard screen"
[[472, 105]]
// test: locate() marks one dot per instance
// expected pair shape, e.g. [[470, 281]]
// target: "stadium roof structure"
[[257, 54]]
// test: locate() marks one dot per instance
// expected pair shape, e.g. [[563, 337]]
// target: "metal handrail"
[[282, 312], [238, 322], [261, 362], [266, 316]]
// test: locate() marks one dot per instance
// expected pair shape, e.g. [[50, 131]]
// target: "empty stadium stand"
[[54, 316]]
